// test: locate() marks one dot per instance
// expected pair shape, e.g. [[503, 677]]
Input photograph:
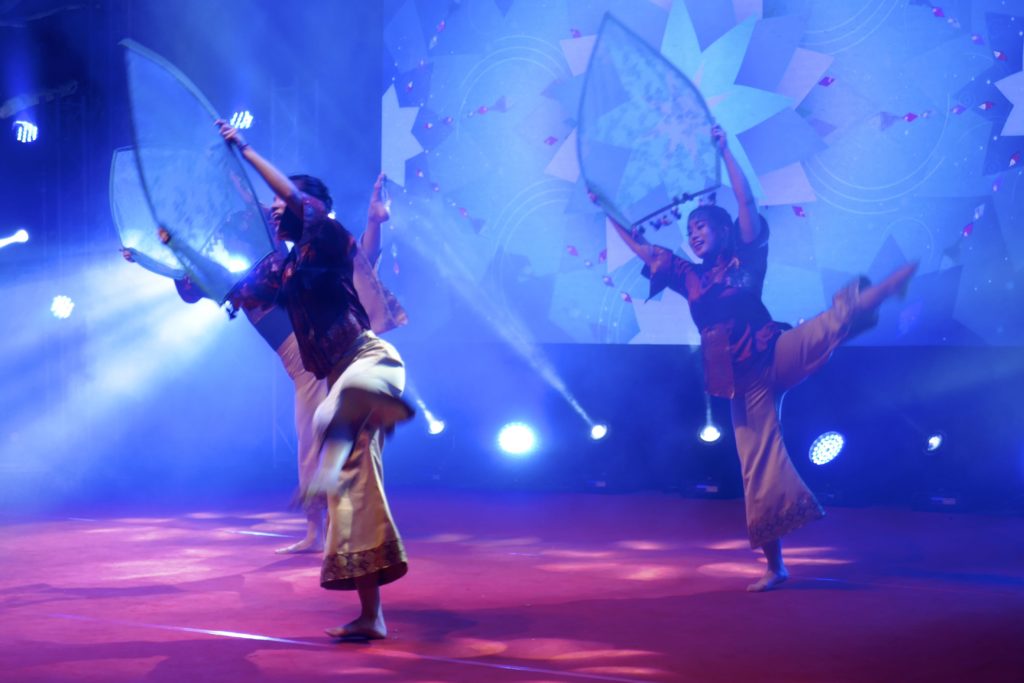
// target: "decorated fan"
[[644, 140], [193, 182], [134, 220]]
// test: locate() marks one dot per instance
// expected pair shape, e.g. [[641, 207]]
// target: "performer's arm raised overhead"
[[746, 215], [365, 378]]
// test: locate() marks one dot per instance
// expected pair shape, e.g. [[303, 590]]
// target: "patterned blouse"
[[737, 333], [314, 284]]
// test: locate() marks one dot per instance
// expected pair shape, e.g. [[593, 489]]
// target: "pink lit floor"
[[543, 588]]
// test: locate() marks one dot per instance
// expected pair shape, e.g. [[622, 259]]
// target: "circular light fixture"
[[826, 448], [517, 438], [710, 433]]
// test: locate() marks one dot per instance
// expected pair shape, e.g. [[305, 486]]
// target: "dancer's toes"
[[769, 581], [899, 280], [306, 545], [360, 629]]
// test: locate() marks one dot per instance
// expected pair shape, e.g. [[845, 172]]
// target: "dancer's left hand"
[[718, 136], [231, 134], [380, 208]]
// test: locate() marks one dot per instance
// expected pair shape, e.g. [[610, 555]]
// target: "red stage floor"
[[544, 588]]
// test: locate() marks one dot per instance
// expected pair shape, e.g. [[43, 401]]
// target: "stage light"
[[25, 131], [62, 307], [710, 433], [517, 438], [934, 442], [826, 448], [241, 120], [18, 237], [435, 425], [598, 432], [237, 264]]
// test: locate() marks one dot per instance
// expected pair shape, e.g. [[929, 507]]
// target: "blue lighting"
[[26, 131], [517, 438], [62, 307], [19, 237], [826, 448], [598, 432], [934, 443]]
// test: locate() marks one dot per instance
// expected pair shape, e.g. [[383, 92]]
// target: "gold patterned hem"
[[387, 560], [765, 530]]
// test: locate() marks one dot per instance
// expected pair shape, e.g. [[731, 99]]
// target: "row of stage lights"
[[519, 439], [829, 445], [26, 132]]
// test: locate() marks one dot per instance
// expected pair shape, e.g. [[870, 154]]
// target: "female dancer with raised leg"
[[751, 359]]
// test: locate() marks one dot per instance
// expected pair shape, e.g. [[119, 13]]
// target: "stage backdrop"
[[873, 131]]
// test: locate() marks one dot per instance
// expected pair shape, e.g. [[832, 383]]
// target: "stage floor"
[[540, 587]]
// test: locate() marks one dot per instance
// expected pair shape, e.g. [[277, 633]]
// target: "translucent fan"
[[644, 130], [193, 181], [134, 220]]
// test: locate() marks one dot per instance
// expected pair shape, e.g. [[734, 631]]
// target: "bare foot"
[[895, 284], [899, 279], [360, 629], [769, 581], [306, 545]]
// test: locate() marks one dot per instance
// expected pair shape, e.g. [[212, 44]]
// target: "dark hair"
[[718, 218], [314, 187]]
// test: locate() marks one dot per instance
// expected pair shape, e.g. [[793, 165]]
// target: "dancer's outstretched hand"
[[231, 134], [380, 206], [718, 136]]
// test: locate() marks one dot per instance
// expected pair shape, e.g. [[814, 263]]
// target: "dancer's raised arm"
[[746, 214], [279, 183], [377, 213]]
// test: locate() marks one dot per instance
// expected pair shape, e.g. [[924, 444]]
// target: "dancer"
[[751, 359], [316, 284], [274, 326]]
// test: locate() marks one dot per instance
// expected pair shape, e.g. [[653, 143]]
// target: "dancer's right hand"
[[718, 136], [231, 134]]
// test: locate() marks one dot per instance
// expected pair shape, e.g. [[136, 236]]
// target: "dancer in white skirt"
[[274, 326], [751, 359], [317, 284]]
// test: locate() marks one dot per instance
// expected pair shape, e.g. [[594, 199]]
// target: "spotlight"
[[517, 438], [826, 448], [710, 433], [242, 120], [598, 432], [18, 237], [934, 442], [237, 264], [25, 131], [434, 425], [62, 307]]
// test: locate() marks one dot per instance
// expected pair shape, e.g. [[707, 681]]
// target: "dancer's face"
[[703, 237], [282, 220]]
